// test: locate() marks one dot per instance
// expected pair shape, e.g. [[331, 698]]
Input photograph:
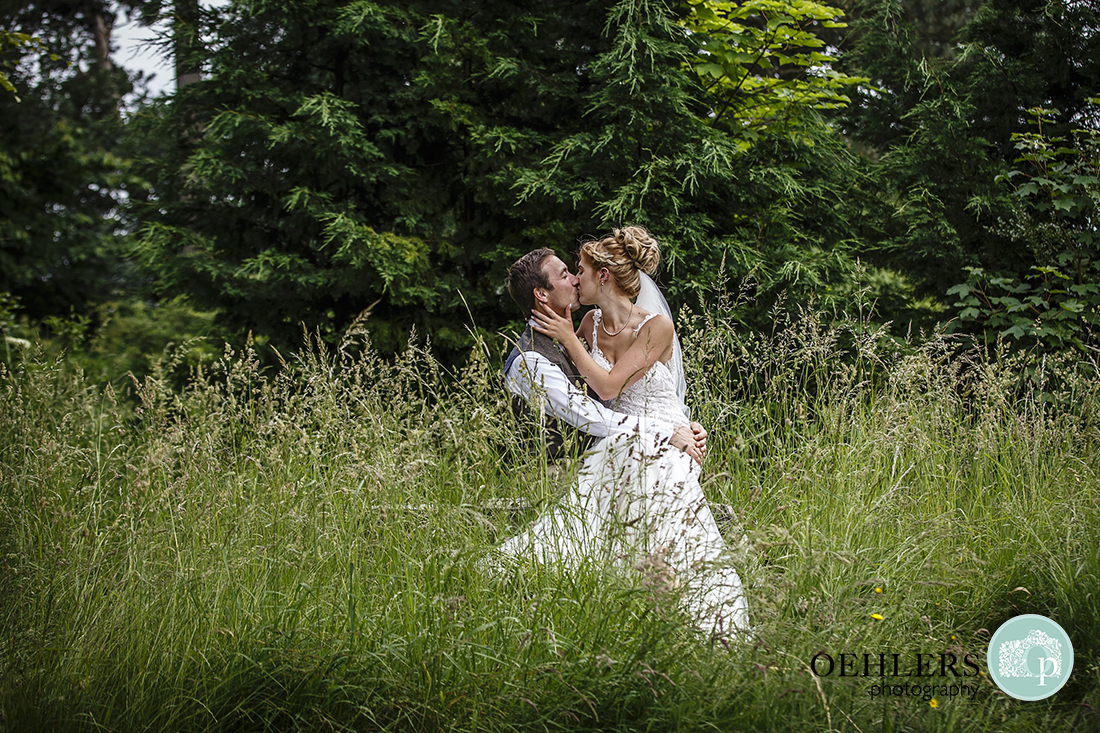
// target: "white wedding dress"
[[638, 506]]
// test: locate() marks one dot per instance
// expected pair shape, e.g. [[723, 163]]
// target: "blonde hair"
[[625, 252]]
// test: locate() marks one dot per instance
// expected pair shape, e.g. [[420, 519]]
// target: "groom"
[[540, 373]]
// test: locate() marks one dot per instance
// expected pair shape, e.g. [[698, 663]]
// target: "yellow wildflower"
[[877, 616], [934, 703]]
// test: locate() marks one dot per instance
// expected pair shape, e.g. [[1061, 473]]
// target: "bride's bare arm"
[[654, 340]]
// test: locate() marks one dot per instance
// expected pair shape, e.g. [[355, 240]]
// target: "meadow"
[[301, 548]]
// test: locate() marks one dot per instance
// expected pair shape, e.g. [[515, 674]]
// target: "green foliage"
[[1060, 188], [1048, 308], [942, 125], [63, 180], [8, 307], [119, 343], [363, 158], [933, 27], [645, 153], [1023, 54], [784, 211], [799, 219], [917, 126], [762, 63], [10, 40], [1057, 198], [387, 161], [401, 155], [132, 337]]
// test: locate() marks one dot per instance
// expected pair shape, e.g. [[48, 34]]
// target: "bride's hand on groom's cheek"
[[551, 324]]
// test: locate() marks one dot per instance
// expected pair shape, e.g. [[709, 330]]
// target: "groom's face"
[[564, 292]]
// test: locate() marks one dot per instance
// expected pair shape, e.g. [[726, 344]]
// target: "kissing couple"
[[637, 504]]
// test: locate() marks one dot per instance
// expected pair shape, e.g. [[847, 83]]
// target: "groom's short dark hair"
[[525, 275]]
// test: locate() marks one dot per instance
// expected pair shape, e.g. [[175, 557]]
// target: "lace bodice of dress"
[[654, 395]]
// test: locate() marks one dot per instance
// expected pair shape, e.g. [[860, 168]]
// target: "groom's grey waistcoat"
[[558, 436]]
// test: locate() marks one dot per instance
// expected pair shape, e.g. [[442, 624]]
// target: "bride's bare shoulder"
[[658, 326]]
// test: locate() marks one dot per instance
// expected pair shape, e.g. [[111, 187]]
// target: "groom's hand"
[[700, 434], [684, 439]]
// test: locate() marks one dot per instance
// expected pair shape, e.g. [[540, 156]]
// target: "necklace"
[[625, 324]]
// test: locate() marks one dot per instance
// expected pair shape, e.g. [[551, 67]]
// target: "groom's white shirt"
[[546, 388]]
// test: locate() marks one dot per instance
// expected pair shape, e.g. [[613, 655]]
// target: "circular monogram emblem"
[[1030, 657]]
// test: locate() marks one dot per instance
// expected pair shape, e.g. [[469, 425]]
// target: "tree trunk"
[[101, 31], [187, 43]]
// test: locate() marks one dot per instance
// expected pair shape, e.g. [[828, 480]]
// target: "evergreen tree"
[[943, 127], [362, 158], [62, 180], [401, 155], [765, 193]]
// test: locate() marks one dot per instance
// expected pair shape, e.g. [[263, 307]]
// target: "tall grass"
[[303, 550]]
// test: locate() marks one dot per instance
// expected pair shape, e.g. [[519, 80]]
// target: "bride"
[[638, 502]]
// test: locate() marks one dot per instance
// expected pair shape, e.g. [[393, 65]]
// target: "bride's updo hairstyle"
[[625, 252]]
